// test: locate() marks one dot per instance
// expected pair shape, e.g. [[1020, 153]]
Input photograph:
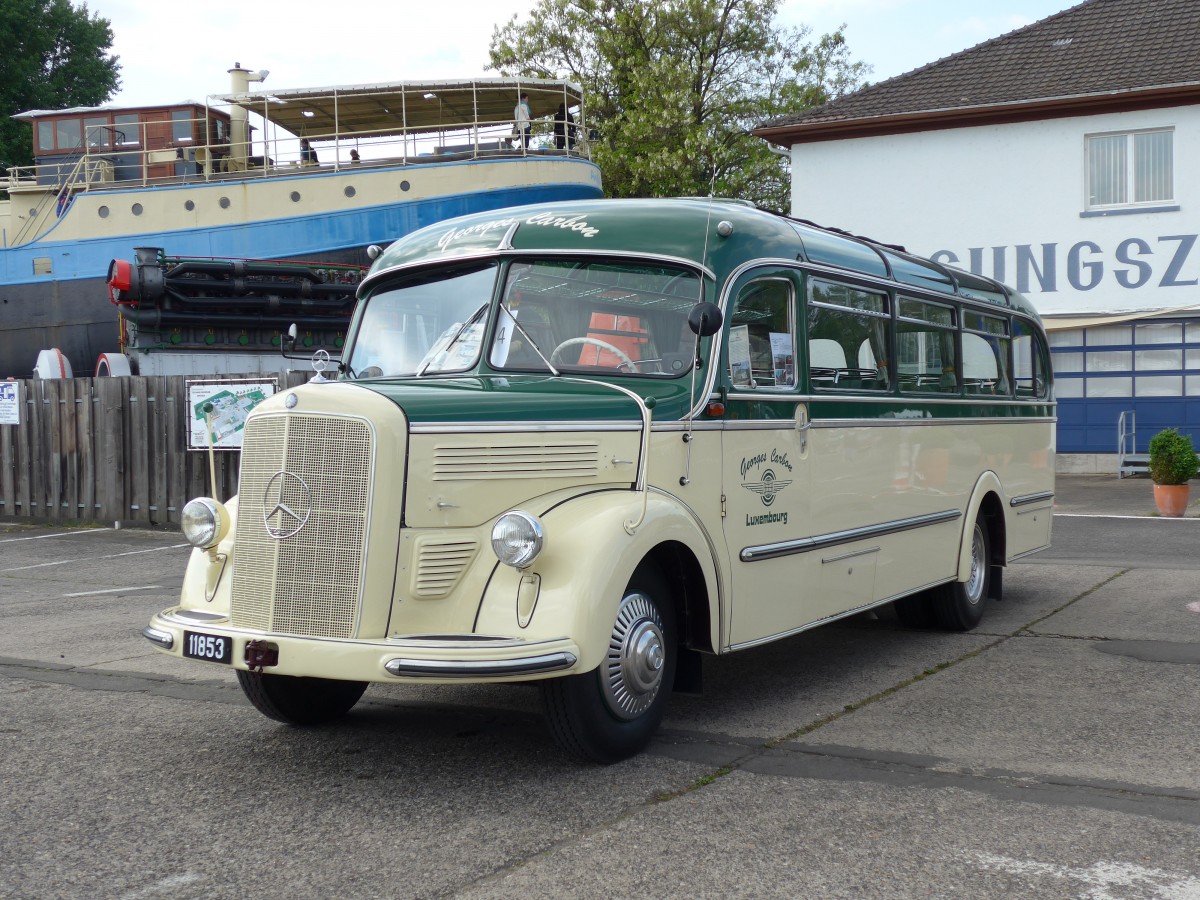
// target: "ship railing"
[[54, 190], [109, 161]]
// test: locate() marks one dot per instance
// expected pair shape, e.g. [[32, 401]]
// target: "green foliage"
[[673, 87], [1173, 459], [55, 56]]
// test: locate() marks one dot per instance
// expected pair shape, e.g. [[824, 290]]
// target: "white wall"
[[1004, 192]]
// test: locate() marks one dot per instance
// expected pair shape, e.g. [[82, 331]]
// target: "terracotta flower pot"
[[1171, 499]]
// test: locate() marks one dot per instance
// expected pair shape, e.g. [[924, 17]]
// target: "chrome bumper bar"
[[479, 668]]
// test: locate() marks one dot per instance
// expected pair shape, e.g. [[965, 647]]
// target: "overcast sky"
[[170, 54]]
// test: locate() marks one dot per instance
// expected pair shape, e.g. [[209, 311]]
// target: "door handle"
[[803, 423]]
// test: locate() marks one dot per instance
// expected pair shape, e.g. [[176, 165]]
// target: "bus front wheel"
[[611, 712], [300, 701]]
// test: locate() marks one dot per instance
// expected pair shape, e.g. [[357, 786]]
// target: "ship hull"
[[53, 291]]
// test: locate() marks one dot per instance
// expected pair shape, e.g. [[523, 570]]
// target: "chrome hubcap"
[[632, 673], [978, 568]]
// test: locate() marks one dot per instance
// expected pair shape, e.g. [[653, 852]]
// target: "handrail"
[[1126, 438], [60, 197]]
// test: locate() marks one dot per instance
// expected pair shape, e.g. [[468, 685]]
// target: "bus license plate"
[[209, 647]]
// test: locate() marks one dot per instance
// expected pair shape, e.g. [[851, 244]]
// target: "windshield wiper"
[[512, 317], [442, 352]]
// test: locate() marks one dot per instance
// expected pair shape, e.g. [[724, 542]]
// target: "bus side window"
[[848, 337], [1029, 368], [985, 354], [762, 349], [925, 346]]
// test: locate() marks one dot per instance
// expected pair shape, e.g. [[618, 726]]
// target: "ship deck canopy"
[[367, 110]]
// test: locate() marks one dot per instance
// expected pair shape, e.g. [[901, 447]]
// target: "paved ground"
[[1051, 753]]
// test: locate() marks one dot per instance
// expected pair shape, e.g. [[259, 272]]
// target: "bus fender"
[[586, 562], [988, 483]]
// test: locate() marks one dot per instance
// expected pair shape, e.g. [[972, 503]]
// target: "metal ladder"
[[1129, 461]]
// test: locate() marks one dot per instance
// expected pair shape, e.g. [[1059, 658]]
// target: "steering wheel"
[[603, 345]]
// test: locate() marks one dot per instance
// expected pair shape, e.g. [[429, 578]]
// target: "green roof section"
[[717, 235]]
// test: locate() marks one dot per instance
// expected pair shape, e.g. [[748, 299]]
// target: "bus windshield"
[[431, 322], [592, 316]]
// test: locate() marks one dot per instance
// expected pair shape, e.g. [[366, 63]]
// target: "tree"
[[672, 87], [55, 56]]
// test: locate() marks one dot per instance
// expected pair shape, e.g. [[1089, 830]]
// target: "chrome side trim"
[[850, 535], [163, 639], [1007, 421], [1031, 498], [851, 555], [1029, 553], [518, 427], [479, 668]]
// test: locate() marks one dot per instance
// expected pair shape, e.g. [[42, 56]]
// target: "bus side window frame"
[[1041, 375], [841, 377], [928, 383], [790, 279]]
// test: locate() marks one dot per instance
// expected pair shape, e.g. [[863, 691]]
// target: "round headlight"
[[517, 539], [204, 522]]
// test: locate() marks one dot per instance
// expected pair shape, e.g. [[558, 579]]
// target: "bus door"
[[764, 457]]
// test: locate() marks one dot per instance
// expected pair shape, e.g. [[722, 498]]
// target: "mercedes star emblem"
[[287, 504]]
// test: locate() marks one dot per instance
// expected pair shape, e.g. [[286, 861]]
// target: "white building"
[[1062, 159]]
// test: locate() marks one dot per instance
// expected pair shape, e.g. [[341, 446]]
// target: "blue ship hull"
[[70, 310]]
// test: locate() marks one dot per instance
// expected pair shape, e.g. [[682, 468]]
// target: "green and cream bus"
[[584, 444]]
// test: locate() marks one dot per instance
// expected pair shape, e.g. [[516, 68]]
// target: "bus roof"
[[717, 234]]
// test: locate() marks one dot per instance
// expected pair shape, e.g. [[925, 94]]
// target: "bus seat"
[[825, 358]]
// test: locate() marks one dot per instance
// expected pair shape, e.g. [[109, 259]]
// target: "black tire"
[[916, 610], [300, 701], [611, 712], [960, 605]]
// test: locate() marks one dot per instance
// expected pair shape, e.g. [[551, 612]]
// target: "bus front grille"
[[303, 508]]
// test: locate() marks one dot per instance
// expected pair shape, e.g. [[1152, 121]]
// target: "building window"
[[181, 125], [1130, 169]]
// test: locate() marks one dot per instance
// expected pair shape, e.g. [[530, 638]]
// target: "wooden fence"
[[108, 450]]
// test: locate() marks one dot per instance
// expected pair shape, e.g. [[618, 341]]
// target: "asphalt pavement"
[[1049, 753]]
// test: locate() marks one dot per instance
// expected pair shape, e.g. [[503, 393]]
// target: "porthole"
[[224, 203], [295, 196], [103, 212], [189, 205], [349, 191], [136, 209], [404, 185]]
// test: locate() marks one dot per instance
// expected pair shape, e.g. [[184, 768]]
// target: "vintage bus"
[[585, 444]]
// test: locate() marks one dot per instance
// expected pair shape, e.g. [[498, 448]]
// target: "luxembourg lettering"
[[768, 519], [1168, 261], [577, 224]]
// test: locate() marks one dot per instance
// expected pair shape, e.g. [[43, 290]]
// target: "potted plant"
[[1173, 462]]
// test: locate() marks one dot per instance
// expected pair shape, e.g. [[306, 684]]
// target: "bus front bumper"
[[443, 658]]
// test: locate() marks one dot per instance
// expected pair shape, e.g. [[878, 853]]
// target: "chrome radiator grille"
[[307, 583], [567, 459]]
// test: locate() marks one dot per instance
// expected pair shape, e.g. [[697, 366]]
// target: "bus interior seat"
[[825, 358]]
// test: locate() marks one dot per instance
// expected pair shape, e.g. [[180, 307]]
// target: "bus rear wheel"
[[959, 605], [300, 701], [611, 713]]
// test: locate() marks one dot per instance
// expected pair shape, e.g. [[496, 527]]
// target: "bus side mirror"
[[705, 319], [289, 342]]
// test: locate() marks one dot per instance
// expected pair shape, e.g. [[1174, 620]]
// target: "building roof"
[[1102, 55]]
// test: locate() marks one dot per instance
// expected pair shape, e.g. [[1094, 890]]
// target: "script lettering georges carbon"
[[575, 223], [762, 474], [287, 504]]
